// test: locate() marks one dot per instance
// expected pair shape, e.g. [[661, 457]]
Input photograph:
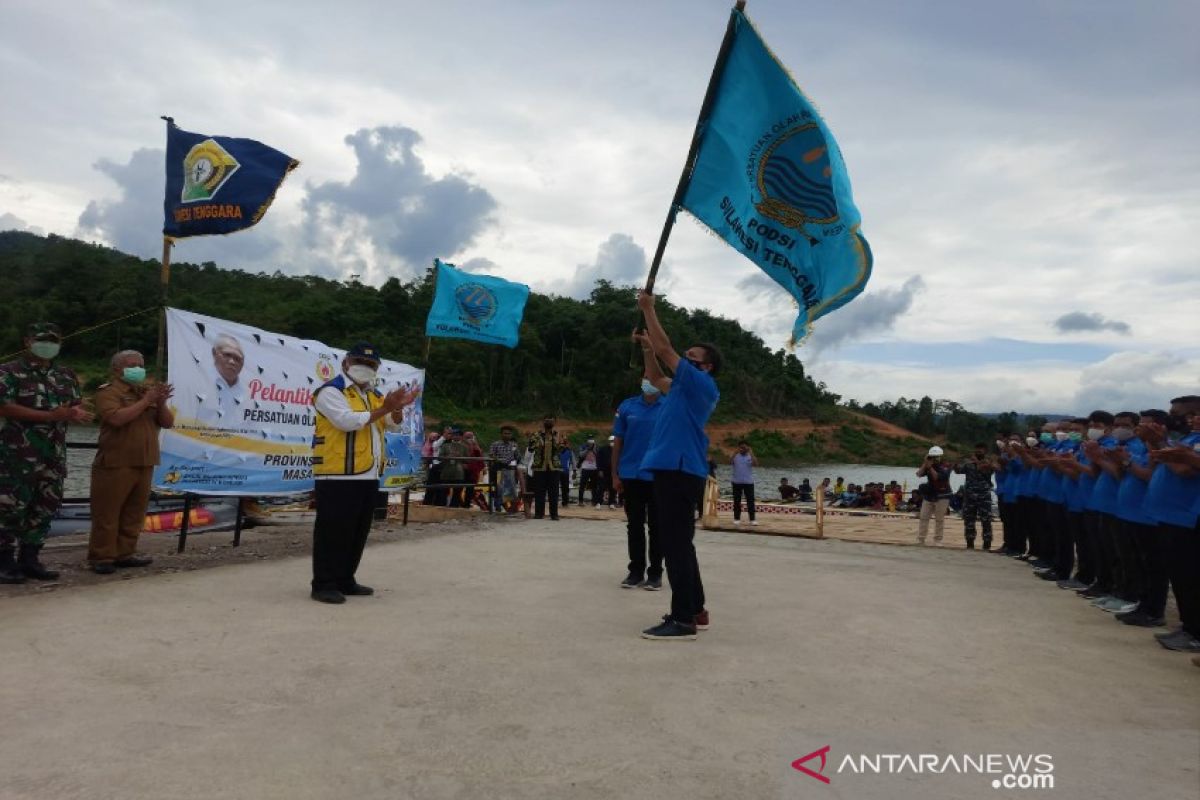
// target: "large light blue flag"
[[769, 179], [478, 307]]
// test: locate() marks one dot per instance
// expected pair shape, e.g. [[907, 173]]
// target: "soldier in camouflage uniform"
[[38, 399], [977, 496]]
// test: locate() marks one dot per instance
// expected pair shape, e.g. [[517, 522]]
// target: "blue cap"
[[364, 350]]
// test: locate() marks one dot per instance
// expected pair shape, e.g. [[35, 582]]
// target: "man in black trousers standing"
[[678, 458], [348, 457]]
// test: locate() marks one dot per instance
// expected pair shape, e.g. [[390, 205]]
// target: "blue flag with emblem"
[[478, 307], [218, 184], [769, 179]]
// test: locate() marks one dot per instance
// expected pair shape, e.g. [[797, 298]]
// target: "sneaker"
[[1048, 575], [1115, 604], [1141, 620], [1169, 634], [1092, 592], [754, 522], [737, 522], [1071, 583], [357, 590], [652, 584], [631, 581], [671, 631], [1184, 644], [1038, 563], [1126, 607], [103, 568], [702, 621]]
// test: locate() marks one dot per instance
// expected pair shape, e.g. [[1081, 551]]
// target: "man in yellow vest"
[[348, 457]]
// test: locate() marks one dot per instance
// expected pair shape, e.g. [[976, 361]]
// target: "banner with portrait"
[[244, 414]]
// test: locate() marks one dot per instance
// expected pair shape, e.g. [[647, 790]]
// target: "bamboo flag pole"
[[689, 163], [164, 280]]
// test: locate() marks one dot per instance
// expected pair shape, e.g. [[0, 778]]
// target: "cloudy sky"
[[1028, 172]]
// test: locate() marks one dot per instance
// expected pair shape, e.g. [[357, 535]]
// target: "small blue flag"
[[217, 184], [769, 179], [478, 307]]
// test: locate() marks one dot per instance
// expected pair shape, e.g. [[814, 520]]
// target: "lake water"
[[79, 465]]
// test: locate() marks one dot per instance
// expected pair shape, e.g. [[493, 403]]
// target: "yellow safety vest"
[[338, 452]]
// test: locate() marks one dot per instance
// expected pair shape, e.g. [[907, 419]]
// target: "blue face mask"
[[134, 374], [648, 387]]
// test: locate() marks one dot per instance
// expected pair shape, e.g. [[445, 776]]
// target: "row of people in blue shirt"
[[1108, 506]]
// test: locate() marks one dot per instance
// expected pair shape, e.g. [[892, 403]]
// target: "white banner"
[[244, 414]]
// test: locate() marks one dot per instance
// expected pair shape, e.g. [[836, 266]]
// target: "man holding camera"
[[935, 495], [977, 495]]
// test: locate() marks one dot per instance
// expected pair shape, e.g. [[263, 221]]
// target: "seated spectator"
[[787, 492], [806, 492]]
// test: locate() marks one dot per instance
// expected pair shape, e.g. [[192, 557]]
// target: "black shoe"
[[1038, 563], [1140, 620], [652, 584], [1182, 644], [1092, 592], [554, 519], [31, 567], [970, 544], [328, 596], [631, 581], [1048, 575], [11, 576], [987, 545], [358, 590], [103, 568], [671, 631], [133, 561]]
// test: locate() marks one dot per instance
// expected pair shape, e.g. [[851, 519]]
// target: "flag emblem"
[[476, 304], [795, 179], [206, 168]]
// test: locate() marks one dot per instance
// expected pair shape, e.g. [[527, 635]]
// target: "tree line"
[[947, 418], [573, 358]]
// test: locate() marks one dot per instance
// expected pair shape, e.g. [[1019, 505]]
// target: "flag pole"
[[164, 279], [689, 163]]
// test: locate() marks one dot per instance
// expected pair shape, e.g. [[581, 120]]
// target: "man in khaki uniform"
[[131, 413]]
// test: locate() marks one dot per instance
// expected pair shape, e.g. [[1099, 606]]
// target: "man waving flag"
[[769, 179]]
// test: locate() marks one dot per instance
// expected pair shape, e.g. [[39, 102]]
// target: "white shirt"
[[333, 405]]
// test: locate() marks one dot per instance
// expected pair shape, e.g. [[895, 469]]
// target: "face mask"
[[1095, 434], [1000, 444], [1075, 436], [1060, 436], [648, 387], [361, 374], [1122, 434], [46, 350], [134, 374], [1046, 437], [1032, 442]]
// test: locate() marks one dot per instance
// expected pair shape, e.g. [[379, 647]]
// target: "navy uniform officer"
[[348, 458]]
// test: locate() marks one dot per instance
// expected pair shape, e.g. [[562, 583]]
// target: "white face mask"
[[1031, 441], [361, 374], [1000, 444], [1122, 434], [45, 350], [1060, 436], [1095, 434], [648, 387]]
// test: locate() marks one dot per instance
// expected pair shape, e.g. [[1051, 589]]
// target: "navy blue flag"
[[218, 184], [482, 308]]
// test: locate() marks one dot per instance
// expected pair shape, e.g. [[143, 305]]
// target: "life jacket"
[[338, 452]]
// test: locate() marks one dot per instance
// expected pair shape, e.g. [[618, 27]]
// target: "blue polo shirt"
[[634, 426], [1049, 486], [679, 441], [1171, 499], [1132, 490], [1027, 481], [1087, 482], [1104, 492]]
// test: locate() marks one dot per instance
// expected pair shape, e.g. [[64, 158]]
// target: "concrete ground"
[[503, 662]]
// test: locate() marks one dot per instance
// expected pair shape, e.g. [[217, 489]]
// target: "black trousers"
[[675, 496], [1085, 549], [740, 490], [1025, 523], [639, 515], [435, 497], [545, 482], [344, 513], [1108, 563], [1069, 534], [564, 487], [1184, 566], [587, 480], [1154, 549]]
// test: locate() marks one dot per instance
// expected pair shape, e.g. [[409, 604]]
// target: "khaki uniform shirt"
[[134, 444]]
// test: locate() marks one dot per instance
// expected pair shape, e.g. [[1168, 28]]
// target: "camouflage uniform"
[[977, 500], [33, 455]]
